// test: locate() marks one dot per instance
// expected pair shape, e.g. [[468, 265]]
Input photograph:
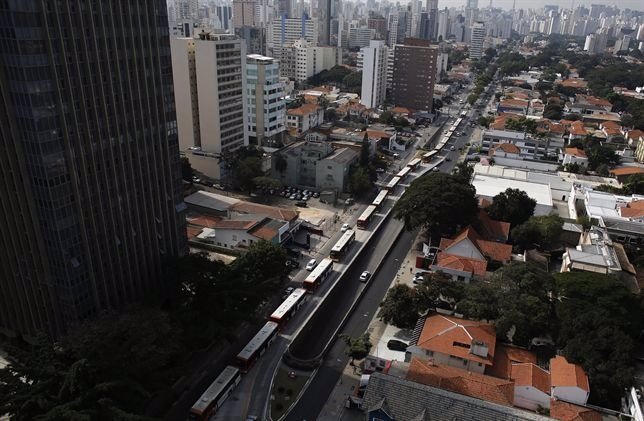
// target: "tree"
[[386, 118], [323, 101], [438, 202], [186, 169], [360, 181], [471, 98], [353, 81], [399, 307], [485, 121], [358, 348], [539, 231], [245, 170], [513, 206], [601, 155], [437, 104], [438, 286], [553, 112], [464, 172]]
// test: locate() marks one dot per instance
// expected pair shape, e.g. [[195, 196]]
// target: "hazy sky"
[[534, 4]]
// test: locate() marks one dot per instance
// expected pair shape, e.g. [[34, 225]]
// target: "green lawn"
[[285, 391]]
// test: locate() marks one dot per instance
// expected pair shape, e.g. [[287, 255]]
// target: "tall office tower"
[[554, 23], [360, 37], [392, 29], [378, 23], [208, 73], [622, 44], [424, 30], [265, 106], [443, 25], [390, 67], [284, 8], [284, 32], [186, 9], [223, 17], [254, 37], [324, 13], [476, 40], [432, 10], [414, 75], [244, 13], [374, 74], [596, 10], [90, 179], [404, 25], [471, 7]]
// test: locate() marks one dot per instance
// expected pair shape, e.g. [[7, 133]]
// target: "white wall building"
[[286, 31], [488, 187], [360, 37], [302, 60], [375, 59], [266, 109], [208, 74], [476, 40]]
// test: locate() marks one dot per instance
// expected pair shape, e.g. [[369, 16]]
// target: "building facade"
[[374, 74], [476, 40], [266, 110], [302, 60], [89, 174], [414, 74], [244, 13], [211, 69]]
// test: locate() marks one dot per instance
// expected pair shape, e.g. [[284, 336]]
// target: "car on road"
[[448, 159], [452, 148], [345, 227], [293, 264], [311, 265], [252, 418], [301, 204], [380, 170], [288, 291], [396, 345], [364, 276]]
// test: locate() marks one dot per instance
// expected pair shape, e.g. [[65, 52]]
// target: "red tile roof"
[[564, 411], [463, 264], [234, 224], [514, 103], [528, 374], [304, 109], [501, 119], [634, 134], [476, 385], [444, 333], [592, 100], [203, 220], [400, 110], [264, 232], [635, 209], [508, 148], [565, 374], [193, 231], [576, 152], [492, 229], [495, 251], [505, 356], [574, 83], [577, 128], [622, 171], [610, 124]]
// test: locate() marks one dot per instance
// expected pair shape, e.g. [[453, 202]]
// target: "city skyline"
[[529, 4]]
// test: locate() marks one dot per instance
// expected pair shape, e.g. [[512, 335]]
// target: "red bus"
[[392, 184], [380, 199], [215, 395], [340, 248], [257, 346], [289, 307], [318, 275], [414, 163], [402, 174], [366, 216], [429, 155]]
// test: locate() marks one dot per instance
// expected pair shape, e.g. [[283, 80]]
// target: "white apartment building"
[[284, 32], [208, 75], [265, 106], [476, 40], [360, 37], [302, 60], [375, 59]]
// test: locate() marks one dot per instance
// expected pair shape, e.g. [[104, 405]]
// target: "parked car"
[[345, 227], [396, 345], [316, 195], [301, 204], [311, 265], [293, 264], [364, 276], [452, 148]]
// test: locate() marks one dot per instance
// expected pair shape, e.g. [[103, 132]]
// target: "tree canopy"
[[358, 348], [438, 202], [541, 232], [513, 206]]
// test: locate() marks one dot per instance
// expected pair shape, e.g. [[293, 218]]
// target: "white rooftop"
[[490, 186], [505, 134], [211, 200]]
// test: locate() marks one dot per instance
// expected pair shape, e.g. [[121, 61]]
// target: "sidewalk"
[[335, 407]]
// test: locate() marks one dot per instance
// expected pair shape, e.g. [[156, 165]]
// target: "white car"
[[364, 276], [311, 265], [345, 227], [452, 148]]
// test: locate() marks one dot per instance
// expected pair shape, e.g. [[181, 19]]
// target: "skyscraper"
[[476, 40], [432, 14], [90, 180], [265, 105], [414, 74], [324, 13], [374, 74], [244, 13]]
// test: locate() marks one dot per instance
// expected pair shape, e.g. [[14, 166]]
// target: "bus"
[[402, 174], [289, 307], [257, 346], [392, 184], [414, 163], [380, 199], [365, 218], [215, 395], [318, 275], [341, 247], [429, 155]]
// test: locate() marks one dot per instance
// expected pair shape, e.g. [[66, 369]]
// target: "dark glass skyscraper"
[[90, 186]]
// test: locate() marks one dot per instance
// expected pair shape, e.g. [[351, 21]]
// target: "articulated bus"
[[215, 395], [392, 184], [289, 307], [257, 346], [429, 155], [340, 248], [402, 174], [414, 163], [318, 275], [365, 218], [380, 199]]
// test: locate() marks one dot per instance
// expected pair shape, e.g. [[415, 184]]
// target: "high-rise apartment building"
[[284, 32], [208, 74], [414, 74], [265, 105], [378, 23], [324, 14], [374, 74], [360, 37], [90, 179], [244, 13], [432, 15], [301, 60], [477, 36]]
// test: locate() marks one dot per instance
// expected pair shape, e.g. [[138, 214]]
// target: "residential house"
[[304, 118], [576, 130], [636, 138], [586, 104], [530, 148], [389, 398], [511, 105], [531, 386], [575, 156], [236, 232], [568, 382], [564, 411], [622, 173], [501, 119], [573, 83], [595, 253], [611, 130], [505, 150], [445, 340], [491, 229]]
